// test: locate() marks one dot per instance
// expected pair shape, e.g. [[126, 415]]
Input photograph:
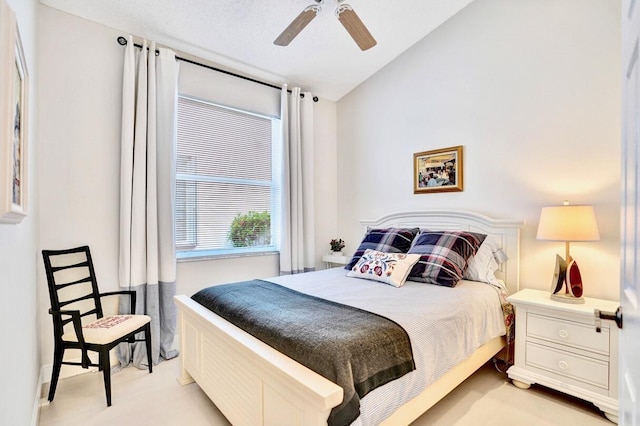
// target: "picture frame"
[[438, 170], [14, 102]]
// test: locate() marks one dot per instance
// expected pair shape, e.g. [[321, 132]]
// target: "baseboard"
[[35, 414]]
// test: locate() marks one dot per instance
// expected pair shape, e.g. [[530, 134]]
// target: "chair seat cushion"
[[107, 329]]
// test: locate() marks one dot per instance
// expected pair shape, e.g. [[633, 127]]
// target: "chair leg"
[[106, 372], [147, 339], [55, 374]]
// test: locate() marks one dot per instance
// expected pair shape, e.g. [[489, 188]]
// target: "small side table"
[[333, 261], [557, 346]]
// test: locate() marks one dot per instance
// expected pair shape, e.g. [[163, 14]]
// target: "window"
[[227, 180]]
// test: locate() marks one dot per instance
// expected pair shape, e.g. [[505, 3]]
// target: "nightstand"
[[332, 260], [557, 346]]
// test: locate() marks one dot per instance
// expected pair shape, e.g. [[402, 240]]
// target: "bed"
[[253, 384]]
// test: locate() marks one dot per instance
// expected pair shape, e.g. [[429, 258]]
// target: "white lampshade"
[[568, 223]]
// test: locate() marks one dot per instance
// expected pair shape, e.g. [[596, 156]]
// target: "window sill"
[[200, 257]]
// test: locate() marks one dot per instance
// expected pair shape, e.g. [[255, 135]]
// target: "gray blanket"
[[356, 349]]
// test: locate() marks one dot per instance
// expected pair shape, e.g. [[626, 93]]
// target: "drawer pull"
[[563, 333], [563, 365]]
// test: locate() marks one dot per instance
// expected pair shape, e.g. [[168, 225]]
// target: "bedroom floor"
[[140, 398]]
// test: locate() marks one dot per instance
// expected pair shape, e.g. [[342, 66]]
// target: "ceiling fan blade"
[[297, 25], [354, 26]]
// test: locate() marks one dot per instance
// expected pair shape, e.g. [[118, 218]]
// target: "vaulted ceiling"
[[239, 34]]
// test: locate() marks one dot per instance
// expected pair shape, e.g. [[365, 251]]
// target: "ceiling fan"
[[345, 14]]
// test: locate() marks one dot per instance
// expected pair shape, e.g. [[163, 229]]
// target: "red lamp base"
[[567, 275]]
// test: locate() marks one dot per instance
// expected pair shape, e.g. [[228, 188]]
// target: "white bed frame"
[[253, 384]]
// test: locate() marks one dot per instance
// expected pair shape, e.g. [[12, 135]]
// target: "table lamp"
[[567, 223]]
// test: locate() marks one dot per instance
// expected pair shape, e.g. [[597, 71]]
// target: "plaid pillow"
[[443, 256], [388, 240]]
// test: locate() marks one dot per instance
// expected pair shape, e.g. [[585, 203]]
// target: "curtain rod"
[[123, 42]]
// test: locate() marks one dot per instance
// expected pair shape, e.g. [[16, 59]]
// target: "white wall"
[[80, 110], [81, 114], [326, 176], [19, 359], [531, 89]]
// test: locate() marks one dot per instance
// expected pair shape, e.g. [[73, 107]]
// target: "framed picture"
[[14, 95], [439, 170]]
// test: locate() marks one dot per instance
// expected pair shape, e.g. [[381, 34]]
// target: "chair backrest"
[[72, 283]]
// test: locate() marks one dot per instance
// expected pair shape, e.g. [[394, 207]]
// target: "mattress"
[[445, 325]]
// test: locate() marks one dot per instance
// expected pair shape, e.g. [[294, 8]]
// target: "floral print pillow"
[[389, 268]]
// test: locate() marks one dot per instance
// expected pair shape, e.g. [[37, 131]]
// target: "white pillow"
[[389, 268], [483, 265]]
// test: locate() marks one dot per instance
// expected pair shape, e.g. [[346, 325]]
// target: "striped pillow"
[[444, 256], [388, 240]]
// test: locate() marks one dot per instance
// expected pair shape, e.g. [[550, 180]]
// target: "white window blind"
[[227, 180]]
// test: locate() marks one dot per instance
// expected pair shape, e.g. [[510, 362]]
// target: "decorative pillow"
[[443, 256], [484, 264], [389, 268], [388, 240]]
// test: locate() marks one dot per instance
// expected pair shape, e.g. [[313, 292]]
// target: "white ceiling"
[[239, 34]]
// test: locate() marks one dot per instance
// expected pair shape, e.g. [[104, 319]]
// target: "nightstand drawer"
[[568, 333], [587, 370]]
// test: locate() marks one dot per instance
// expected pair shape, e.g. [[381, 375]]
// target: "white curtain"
[[297, 252], [147, 196]]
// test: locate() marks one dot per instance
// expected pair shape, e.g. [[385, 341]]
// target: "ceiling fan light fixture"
[[354, 26]]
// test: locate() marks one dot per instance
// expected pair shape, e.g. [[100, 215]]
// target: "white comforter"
[[445, 326]]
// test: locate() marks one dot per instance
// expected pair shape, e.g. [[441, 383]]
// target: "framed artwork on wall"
[[14, 96], [439, 170]]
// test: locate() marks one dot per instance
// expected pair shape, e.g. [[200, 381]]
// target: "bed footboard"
[[250, 382]]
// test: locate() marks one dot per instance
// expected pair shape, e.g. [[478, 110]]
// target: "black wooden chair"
[[73, 290]]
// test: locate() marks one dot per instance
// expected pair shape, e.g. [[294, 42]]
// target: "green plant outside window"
[[251, 229]]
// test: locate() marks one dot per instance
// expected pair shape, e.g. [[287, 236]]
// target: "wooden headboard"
[[505, 231]]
